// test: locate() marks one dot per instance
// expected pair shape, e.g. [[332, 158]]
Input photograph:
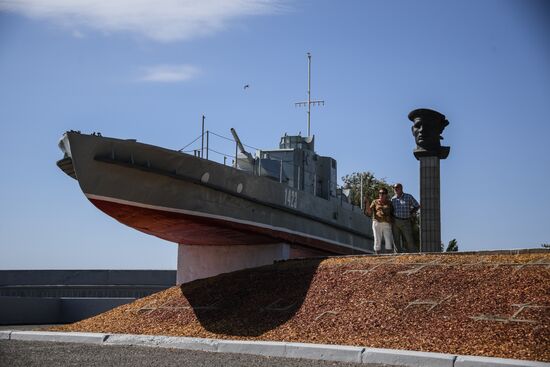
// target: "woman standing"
[[381, 212]]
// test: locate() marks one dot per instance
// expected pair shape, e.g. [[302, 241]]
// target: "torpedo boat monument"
[[277, 204]]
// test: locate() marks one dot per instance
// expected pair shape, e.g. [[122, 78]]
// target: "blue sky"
[[149, 70]]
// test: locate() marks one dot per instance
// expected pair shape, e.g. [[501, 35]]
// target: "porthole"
[[205, 177], [239, 188]]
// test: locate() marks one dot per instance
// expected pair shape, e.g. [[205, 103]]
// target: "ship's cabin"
[[296, 164]]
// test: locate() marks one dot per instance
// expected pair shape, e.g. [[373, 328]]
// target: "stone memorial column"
[[428, 125]]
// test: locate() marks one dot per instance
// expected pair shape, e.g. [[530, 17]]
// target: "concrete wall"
[[29, 310], [38, 310], [198, 262], [84, 283], [74, 309], [61, 296], [88, 277], [83, 291]]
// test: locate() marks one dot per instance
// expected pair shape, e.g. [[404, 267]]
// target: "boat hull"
[[189, 200]]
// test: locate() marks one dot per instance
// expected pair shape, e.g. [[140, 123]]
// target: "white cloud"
[[169, 73], [161, 20], [78, 34]]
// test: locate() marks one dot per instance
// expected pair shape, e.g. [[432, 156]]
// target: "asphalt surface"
[[15, 353]]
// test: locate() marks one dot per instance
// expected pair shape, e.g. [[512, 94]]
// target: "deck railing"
[[226, 151]]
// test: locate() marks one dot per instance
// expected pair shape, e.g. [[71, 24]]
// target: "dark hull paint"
[[198, 230], [164, 193]]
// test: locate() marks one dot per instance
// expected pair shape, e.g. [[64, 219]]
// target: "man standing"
[[404, 207]]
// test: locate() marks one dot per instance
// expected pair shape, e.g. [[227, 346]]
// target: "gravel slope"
[[472, 304]]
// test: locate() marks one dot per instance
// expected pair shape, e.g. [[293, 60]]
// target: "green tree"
[[371, 185], [452, 246]]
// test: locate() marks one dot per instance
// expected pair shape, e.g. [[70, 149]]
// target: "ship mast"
[[309, 102]]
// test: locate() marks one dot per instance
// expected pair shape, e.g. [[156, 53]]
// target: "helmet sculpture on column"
[[428, 125]]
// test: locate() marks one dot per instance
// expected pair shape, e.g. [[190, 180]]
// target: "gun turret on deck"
[[245, 161]]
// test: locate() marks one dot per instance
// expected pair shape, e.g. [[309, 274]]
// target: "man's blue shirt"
[[403, 205]]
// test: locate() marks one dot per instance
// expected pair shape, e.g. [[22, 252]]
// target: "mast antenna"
[[309, 102]]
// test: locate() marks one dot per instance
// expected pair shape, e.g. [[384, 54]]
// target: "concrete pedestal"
[[197, 262], [430, 214]]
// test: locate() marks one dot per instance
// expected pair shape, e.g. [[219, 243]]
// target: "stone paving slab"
[[5, 334], [325, 352], [206, 345], [394, 357], [271, 349], [52, 336]]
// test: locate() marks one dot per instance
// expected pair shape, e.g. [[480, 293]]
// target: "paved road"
[[15, 353]]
